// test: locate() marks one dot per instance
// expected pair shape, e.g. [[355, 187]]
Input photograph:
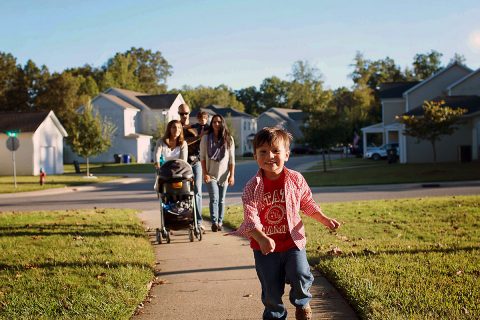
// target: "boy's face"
[[271, 159], [202, 120]]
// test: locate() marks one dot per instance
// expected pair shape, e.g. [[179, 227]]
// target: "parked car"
[[302, 149], [377, 153]]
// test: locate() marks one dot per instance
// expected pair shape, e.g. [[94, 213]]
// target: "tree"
[[91, 135], [458, 58], [62, 97], [202, 96], [323, 130], [424, 65], [152, 70], [273, 93], [437, 120], [305, 91], [137, 69], [250, 97], [120, 73]]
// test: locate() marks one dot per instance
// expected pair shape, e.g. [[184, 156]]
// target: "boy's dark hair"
[[270, 135], [201, 114]]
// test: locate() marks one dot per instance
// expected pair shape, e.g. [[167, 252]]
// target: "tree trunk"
[[434, 152], [324, 161], [88, 167]]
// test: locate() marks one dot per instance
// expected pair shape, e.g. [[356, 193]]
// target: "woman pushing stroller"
[[172, 145]]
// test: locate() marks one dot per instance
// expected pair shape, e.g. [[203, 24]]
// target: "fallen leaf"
[[248, 295], [335, 251]]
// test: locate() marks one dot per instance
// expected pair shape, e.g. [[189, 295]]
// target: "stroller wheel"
[[199, 236], [190, 235], [158, 236]]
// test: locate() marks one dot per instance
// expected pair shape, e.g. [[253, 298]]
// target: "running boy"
[[271, 201]]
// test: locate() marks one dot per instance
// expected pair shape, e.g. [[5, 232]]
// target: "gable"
[[434, 86], [468, 85]]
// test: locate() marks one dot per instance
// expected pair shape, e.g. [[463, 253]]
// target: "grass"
[[361, 172], [107, 168], [400, 259], [31, 183], [73, 264]]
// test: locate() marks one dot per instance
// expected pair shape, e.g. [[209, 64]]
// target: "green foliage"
[[424, 65], [91, 135], [61, 96], [400, 259], [202, 96], [250, 97], [437, 120], [74, 264]]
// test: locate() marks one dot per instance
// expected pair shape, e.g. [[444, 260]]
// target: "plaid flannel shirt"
[[298, 196]]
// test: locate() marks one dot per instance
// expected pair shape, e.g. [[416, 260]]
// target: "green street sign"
[[12, 133]]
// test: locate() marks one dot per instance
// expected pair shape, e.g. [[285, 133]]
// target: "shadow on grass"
[[315, 259], [53, 265], [71, 229]]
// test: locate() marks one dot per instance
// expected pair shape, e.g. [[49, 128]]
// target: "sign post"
[[13, 144]]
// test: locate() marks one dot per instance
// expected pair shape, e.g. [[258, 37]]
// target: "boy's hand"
[[332, 224], [267, 245]]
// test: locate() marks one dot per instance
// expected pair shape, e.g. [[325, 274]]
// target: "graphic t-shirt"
[[273, 215]]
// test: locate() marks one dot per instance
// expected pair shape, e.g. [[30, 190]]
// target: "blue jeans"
[[276, 268], [197, 190], [217, 200]]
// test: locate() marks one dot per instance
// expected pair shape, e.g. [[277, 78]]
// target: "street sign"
[[13, 143]]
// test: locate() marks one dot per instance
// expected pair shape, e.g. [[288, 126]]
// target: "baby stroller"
[[174, 186]]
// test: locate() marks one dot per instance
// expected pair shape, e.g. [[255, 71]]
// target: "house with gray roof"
[[459, 87], [40, 136], [291, 120], [136, 116], [243, 124]]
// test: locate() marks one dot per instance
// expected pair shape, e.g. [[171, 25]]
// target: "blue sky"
[[239, 43]]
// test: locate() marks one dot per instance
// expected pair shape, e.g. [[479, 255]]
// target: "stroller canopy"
[[175, 169]]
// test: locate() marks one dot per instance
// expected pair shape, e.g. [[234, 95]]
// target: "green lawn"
[[31, 183], [75, 264], [354, 171], [400, 259]]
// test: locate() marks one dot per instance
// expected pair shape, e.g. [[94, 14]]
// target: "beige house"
[[41, 138], [456, 84], [136, 116]]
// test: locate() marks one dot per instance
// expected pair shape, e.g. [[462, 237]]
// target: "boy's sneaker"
[[214, 227], [303, 313], [220, 227], [202, 228]]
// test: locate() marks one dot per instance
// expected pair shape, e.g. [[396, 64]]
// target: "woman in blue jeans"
[[217, 155]]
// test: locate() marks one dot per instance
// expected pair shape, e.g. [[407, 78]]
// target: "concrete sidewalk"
[[215, 279]]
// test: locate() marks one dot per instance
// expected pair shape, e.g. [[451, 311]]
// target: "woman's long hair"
[[167, 134], [224, 134]]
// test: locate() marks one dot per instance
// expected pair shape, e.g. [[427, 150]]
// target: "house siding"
[[470, 86], [390, 109], [447, 148], [435, 87]]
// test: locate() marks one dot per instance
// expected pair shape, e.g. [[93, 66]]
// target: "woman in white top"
[[217, 156], [172, 145]]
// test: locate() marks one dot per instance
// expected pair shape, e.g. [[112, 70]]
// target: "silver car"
[[377, 153]]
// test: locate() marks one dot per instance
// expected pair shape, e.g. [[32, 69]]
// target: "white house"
[[458, 86], [136, 116], [244, 126], [41, 138]]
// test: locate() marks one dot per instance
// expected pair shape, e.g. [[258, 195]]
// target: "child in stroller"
[[174, 186]]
